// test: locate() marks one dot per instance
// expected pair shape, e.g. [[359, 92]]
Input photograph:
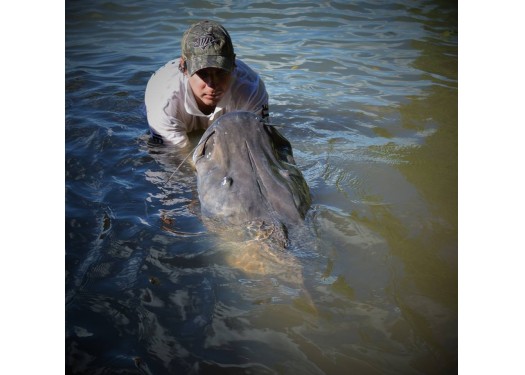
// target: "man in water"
[[206, 82]]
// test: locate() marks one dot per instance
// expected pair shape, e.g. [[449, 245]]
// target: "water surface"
[[367, 94]]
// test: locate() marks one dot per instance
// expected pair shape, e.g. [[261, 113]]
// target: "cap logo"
[[206, 40]]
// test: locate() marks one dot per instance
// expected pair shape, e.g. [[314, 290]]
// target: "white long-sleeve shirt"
[[173, 112]]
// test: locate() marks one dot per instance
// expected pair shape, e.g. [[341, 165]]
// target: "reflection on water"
[[367, 94]]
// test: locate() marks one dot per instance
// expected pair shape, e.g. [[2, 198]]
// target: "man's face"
[[209, 86]]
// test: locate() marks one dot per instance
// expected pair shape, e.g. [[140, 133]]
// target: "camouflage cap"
[[207, 44]]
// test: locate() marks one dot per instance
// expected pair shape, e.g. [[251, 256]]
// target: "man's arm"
[[168, 130]]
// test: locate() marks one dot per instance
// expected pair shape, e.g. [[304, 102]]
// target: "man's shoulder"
[[246, 77], [248, 91], [165, 82], [168, 70], [243, 69]]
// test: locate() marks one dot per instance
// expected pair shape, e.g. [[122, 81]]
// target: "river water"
[[367, 94]]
